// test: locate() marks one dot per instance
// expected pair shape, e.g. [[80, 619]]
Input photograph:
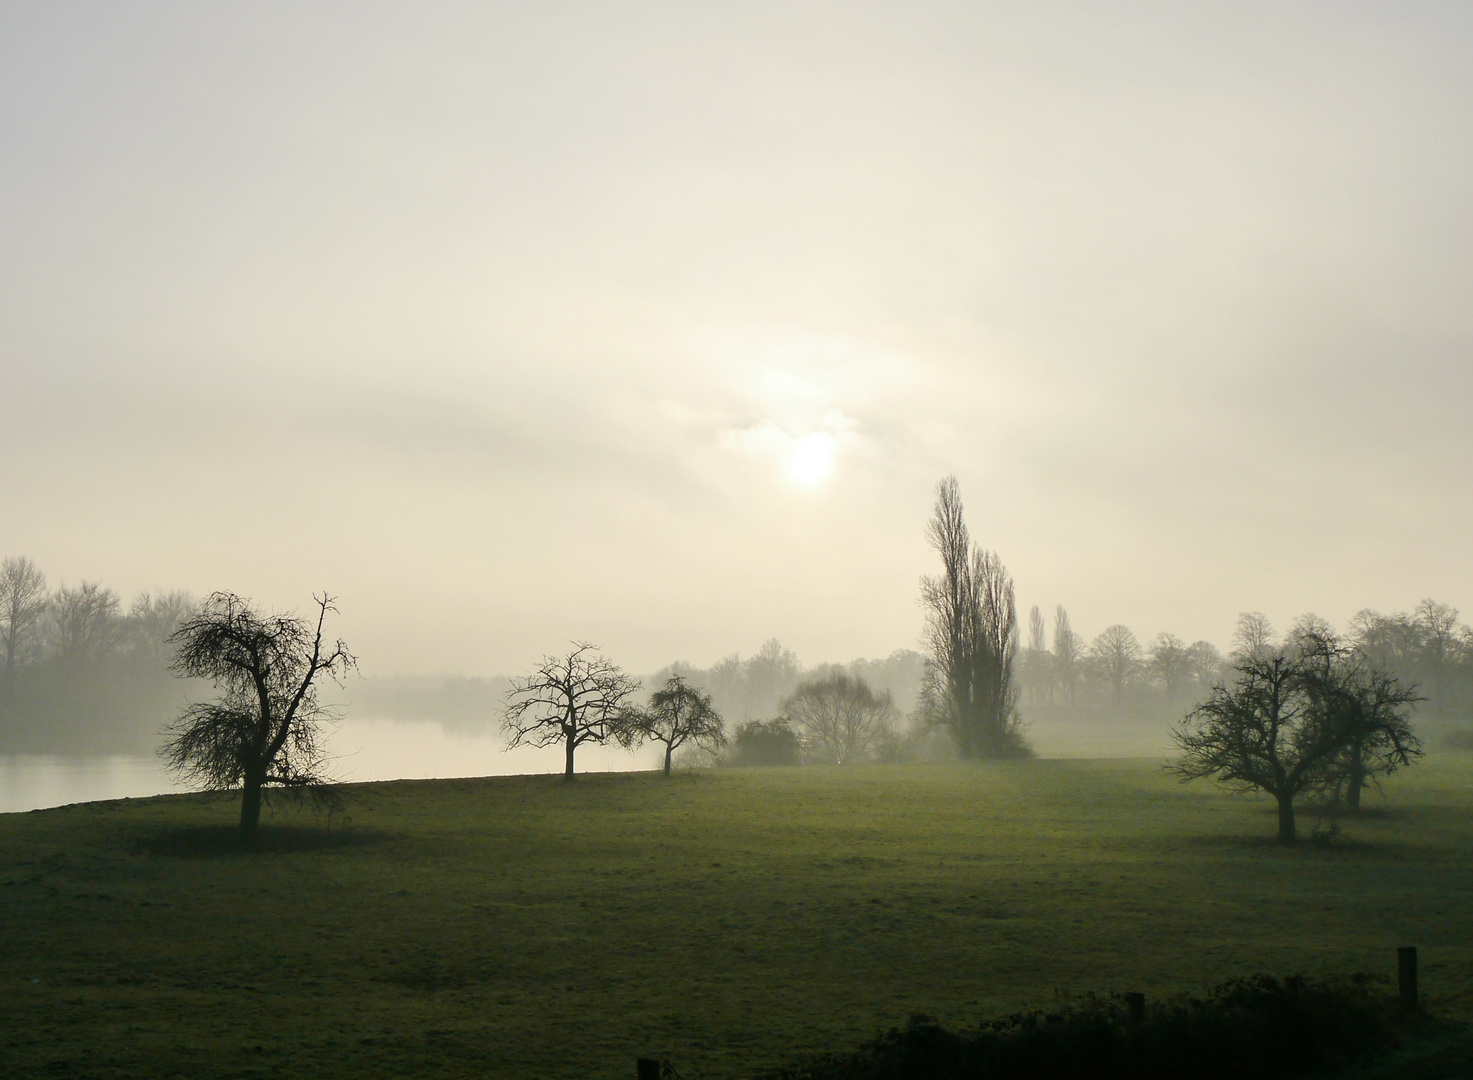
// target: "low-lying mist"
[[83, 676]]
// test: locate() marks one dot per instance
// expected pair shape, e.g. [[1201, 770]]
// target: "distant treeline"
[[1062, 673], [755, 688], [82, 674], [741, 689], [79, 673]]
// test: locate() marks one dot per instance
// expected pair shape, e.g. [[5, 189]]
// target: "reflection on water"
[[395, 750], [32, 781], [363, 750]]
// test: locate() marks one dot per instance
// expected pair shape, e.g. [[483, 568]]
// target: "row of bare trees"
[[1114, 667], [79, 672], [578, 697], [78, 623], [1427, 647], [756, 687]]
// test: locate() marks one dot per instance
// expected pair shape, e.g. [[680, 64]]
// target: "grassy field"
[[525, 927]]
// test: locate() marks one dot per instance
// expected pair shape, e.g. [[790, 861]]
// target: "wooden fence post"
[[647, 1069], [1135, 1012], [1406, 975]]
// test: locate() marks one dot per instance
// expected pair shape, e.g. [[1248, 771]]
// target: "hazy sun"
[[812, 459]]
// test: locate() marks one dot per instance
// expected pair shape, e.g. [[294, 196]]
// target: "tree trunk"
[[669, 750], [1286, 819], [250, 806], [1355, 780], [568, 768]]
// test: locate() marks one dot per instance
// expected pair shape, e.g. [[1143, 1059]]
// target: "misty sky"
[[656, 324]]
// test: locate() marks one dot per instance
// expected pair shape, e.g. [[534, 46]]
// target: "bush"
[[770, 742], [1260, 1027]]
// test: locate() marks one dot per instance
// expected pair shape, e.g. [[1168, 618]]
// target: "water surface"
[[363, 749]]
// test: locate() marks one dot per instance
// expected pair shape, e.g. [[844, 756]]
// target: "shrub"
[[770, 742], [1259, 1026]]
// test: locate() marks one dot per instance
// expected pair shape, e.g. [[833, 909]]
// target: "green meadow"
[[728, 919]]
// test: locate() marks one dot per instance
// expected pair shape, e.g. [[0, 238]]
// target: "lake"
[[380, 749], [364, 749]]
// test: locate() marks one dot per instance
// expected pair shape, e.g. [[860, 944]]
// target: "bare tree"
[[1388, 641], [153, 619], [1068, 653], [1253, 636], [1437, 637], [972, 626], [1369, 709], [1171, 663], [1374, 720], [1260, 732], [1117, 655], [840, 717], [725, 682], [23, 601], [1206, 664], [86, 622], [1309, 632], [571, 699], [677, 714], [1037, 631], [264, 727], [1038, 675]]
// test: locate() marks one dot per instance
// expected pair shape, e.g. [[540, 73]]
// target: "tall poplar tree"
[[972, 638]]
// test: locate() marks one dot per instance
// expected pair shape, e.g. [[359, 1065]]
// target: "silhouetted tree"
[[1253, 636], [1206, 663], [1388, 641], [1037, 631], [1038, 675], [972, 628], [571, 699], [770, 675], [1262, 732], [677, 714], [1437, 644], [1309, 633], [1378, 735], [264, 727], [840, 718], [86, 623], [152, 620], [1368, 709], [23, 601], [1116, 654], [1068, 653], [765, 742], [1171, 663]]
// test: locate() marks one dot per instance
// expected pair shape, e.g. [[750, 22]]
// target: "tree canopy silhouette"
[[1314, 716], [677, 714], [571, 699], [264, 727], [972, 631], [840, 718]]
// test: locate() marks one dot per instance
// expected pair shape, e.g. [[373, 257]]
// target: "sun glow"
[[812, 459]]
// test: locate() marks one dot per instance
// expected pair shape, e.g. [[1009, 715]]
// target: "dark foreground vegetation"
[[1260, 1027], [729, 921]]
